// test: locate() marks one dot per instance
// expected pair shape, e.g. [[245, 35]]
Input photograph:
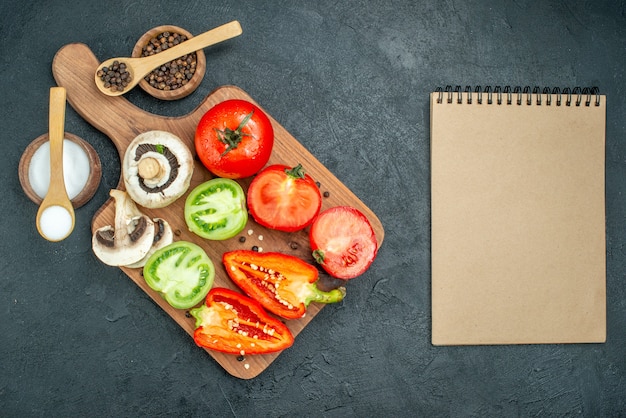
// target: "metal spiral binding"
[[576, 96]]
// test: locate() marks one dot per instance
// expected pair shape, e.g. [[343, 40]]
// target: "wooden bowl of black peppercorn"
[[175, 79]]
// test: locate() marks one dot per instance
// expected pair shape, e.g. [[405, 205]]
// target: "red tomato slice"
[[343, 242], [283, 198], [234, 139]]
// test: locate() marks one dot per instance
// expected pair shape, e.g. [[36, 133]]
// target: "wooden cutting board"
[[74, 66]]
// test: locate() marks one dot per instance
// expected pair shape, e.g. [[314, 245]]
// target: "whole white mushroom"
[[157, 169]]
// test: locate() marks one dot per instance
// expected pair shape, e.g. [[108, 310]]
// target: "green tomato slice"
[[216, 209], [181, 272]]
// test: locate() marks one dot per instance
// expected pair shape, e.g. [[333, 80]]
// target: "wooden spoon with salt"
[[55, 218]]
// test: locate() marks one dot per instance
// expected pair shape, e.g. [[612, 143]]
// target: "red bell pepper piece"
[[282, 283], [236, 324]]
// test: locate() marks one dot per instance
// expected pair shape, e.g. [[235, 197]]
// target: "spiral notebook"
[[518, 216]]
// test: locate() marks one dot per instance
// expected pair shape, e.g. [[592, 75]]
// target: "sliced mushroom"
[[129, 239], [157, 169], [163, 235]]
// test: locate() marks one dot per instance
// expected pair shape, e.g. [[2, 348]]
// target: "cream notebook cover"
[[518, 216]]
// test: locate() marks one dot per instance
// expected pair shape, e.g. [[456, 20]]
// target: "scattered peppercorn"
[[174, 74], [116, 77], [293, 245], [240, 358], [318, 184], [242, 239], [326, 194], [255, 248]]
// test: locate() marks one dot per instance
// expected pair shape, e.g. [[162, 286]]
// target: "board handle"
[[119, 119]]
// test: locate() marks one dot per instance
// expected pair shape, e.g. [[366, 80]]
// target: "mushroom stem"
[[149, 168]]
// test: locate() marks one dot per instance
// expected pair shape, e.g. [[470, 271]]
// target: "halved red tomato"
[[343, 242], [234, 139], [284, 198]]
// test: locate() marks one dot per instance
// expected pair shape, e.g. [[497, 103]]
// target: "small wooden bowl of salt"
[[82, 169]]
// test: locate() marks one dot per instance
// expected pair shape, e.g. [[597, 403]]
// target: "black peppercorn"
[[116, 77], [169, 76]]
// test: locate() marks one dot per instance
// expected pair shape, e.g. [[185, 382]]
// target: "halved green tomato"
[[181, 272], [216, 209]]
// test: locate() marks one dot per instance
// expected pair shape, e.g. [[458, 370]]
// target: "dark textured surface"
[[350, 80]]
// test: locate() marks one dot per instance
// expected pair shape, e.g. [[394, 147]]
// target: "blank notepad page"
[[518, 218]]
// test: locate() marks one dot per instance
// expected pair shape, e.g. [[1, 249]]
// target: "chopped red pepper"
[[236, 324], [282, 283]]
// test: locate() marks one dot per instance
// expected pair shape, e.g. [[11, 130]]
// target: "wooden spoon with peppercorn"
[[116, 76]]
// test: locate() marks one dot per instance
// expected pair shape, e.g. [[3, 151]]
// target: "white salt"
[[76, 169], [55, 223]]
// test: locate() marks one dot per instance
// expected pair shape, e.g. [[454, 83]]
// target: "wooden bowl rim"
[[93, 181], [191, 85]]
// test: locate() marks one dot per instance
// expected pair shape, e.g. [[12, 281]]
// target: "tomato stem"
[[318, 255], [296, 172], [232, 138]]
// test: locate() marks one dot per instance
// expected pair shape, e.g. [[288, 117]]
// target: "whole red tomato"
[[234, 139]]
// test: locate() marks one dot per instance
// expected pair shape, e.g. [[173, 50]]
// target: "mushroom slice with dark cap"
[[163, 235], [157, 169], [129, 239]]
